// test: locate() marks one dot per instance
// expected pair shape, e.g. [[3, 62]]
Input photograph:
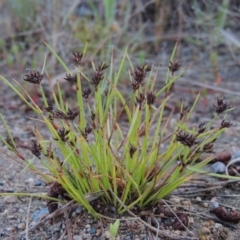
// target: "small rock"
[[88, 226], [10, 229], [98, 233], [77, 237], [205, 204], [190, 220], [198, 199], [10, 199], [205, 231], [218, 225], [186, 203], [177, 232], [78, 210], [40, 214], [106, 235], [175, 200], [10, 190], [5, 212], [218, 167], [21, 226], [39, 183], [92, 230], [214, 205], [30, 180], [235, 155]]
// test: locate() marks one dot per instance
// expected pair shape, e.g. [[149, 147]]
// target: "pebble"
[[218, 167], [22, 226], [78, 210], [205, 205], [10, 199], [5, 212], [218, 226], [30, 181], [39, 183], [205, 231], [175, 200], [198, 199], [92, 230], [40, 213], [88, 226], [186, 203], [191, 220], [10, 229], [235, 155], [214, 205], [98, 233], [177, 232]]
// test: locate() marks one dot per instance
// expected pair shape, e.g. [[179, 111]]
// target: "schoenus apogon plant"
[[90, 150]]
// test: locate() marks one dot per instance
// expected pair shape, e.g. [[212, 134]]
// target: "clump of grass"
[[126, 167]]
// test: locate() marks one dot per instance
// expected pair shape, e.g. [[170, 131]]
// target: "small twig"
[[231, 163], [27, 220], [63, 235], [59, 211], [68, 226], [169, 207], [156, 230], [197, 191]]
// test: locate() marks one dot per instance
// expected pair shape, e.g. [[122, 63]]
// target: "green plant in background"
[[24, 10], [91, 152], [113, 229]]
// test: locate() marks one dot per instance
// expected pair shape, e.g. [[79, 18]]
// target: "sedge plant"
[[91, 151]]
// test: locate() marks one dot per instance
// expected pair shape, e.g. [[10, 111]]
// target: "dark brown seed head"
[[138, 76], [71, 78], [145, 68], [208, 148], [225, 124], [72, 114], [49, 108], [10, 143], [77, 57], [101, 67], [86, 92], [97, 78], [186, 139], [106, 92], [49, 153], [34, 77], [174, 66], [221, 106], [132, 150], [87, 130], [93, 115], [135, 85], [184, 112], [201, 128], [62, 133], [36, 149], [140, 100], [151, 97], [59, 114]]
